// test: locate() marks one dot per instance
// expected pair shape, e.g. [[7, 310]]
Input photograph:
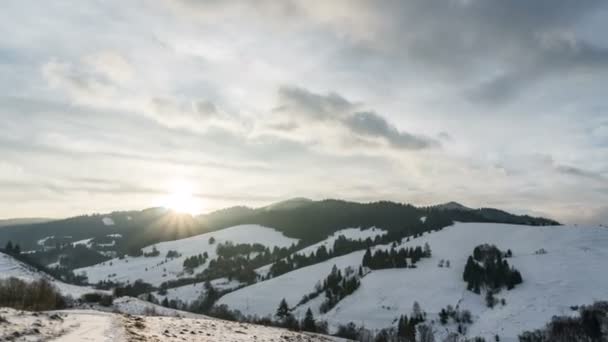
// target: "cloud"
[[578, 172], [332, 114], [106, 81], [372, 125]]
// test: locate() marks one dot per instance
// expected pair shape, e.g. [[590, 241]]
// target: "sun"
[[181, 199]]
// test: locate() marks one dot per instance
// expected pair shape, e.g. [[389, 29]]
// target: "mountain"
[[23, 221], [561, 268], [11, 267], [451, 206], [125, 232], [359, 267]]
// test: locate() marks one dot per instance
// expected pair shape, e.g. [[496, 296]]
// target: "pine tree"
[[427, 250], [282, 310], [367, 258], [9, 247], [309, 323], [443, 316]]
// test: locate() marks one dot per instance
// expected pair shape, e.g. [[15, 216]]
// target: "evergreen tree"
[[367, 258], [9, 247], [309, 323], [282, 310], [427, 250]]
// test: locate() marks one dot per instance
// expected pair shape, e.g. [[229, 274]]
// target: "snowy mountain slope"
[[572, 272], [349, 233], [10, 267], [191, 292], [263, 298], [356, 234], [157, 269]]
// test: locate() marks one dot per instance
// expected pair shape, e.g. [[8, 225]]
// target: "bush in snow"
[[37, 295], [589, 326]]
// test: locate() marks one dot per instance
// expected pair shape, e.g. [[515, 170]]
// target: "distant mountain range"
[[301, 218], [22, 221]]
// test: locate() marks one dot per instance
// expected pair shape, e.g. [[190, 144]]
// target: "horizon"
[[168, 208], [199, 106]]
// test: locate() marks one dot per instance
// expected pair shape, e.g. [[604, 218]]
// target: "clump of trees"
[[488, 268], [11, 249], [36, 295], [456, 315], [171, 254], [153, 253], [98, 298], [192, 262], [591, 325], [132, 290], [337, 286], [395, 258]]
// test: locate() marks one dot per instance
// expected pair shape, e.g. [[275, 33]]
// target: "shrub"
[[37, 295], [96, 297]]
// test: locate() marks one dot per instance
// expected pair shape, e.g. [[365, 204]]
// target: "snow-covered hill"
[[157, 269], [96, 326], [10, 267], [571, 272]]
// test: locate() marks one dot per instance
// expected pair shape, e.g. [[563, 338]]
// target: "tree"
[[367, 257], [427, 250], [425, 333], [417, 315], [490, 300], [309, 323], [211, 240], [9, 247], [282, 310], [443, 316]]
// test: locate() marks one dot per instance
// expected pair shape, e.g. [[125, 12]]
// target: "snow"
[[86, 242], [423, 219], [9, 267], [204, 330], [349, 233], [42, 241], [263, 298], [65, 326], [135, 306], [107, 221], [155, 270], [116, 236], [191, 292], [97, 326], [571, 273]]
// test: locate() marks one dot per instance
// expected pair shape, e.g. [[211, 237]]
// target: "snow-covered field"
[[155, 270], [9, 267], [192, 292], [96, 326], [572, 272], [263, 298]]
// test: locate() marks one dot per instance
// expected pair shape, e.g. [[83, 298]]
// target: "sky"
[[113, 105]]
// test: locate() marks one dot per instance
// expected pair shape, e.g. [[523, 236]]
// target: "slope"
[[157, 269], [10, 267], [570, 273]]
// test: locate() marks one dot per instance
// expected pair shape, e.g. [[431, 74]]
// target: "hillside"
[[160, 268], [10, 267], [96, 326], [568, 274], [309, 221]]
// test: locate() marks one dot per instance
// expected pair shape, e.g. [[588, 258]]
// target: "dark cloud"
[[577, 172], [373, 125], [301, 102], [299, 106]]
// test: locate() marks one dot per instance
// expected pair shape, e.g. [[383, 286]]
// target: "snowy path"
[[91, 326]]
